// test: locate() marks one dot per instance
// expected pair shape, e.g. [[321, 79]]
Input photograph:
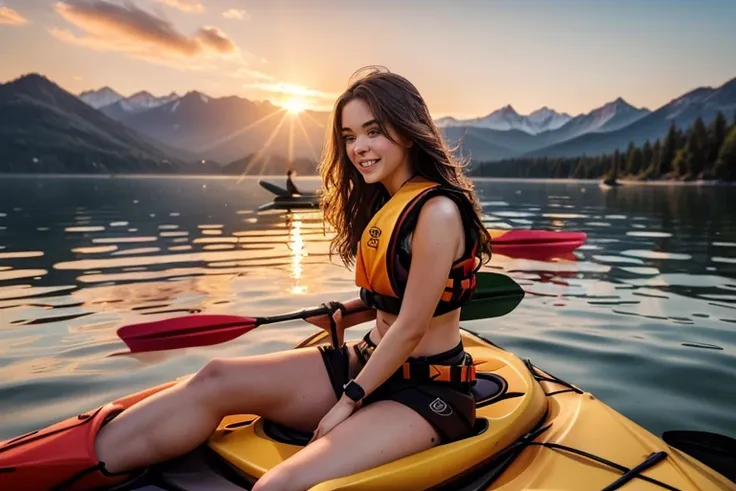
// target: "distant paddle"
[[496, 295], [716, 451]]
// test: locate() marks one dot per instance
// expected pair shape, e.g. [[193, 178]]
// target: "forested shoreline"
[[694, 153]]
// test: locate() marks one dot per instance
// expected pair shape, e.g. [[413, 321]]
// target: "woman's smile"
[[367, 165]]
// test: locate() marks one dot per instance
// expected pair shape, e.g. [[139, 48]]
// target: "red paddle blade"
[[185, 332]]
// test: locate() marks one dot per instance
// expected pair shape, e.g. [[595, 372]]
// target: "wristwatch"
[[354, 391]]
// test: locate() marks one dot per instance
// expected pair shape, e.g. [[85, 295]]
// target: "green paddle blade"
[[495, 296]]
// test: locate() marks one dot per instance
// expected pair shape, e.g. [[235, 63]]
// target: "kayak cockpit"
[[509, 402]]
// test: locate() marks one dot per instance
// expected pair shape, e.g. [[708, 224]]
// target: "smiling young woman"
[[408, 219]]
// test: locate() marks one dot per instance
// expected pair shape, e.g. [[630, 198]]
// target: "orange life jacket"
[[384, 252]]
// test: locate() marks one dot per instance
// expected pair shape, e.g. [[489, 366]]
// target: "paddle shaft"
[[495, 296]]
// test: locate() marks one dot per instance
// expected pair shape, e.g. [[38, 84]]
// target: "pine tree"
[[716, 134], [652, 165], [668, 151], [679, 163], [681, 137], [695, 151], [637, 162], [726, 163], [579, 171], [701, 133], [557, 168], [629, 159], [646, 155], [616, 166]]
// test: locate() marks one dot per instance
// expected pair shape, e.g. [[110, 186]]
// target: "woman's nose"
[[361, 145]]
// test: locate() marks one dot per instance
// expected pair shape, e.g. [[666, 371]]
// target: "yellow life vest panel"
[[384, 251]]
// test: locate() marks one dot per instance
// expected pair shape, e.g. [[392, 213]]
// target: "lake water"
[[643, 315]]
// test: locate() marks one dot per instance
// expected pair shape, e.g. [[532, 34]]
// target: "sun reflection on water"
[[296, 246]]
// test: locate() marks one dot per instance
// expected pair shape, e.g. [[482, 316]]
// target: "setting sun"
[[295, 105]]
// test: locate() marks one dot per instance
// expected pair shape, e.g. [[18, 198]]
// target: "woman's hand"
[[339, 413]]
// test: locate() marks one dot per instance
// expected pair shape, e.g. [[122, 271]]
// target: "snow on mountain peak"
[[138, 102], [546, 119], [195, 97], [145, 100], [508, 109], [100, 97], [507, 118], [541, 113]]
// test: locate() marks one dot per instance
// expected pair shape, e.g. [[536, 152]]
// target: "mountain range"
[[104, 131], [44, 128], [507, 118], [118, 107]]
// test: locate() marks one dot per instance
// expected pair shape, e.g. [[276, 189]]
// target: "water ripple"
[[652, 293]]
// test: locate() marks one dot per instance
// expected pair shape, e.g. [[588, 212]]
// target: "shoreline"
[[622, 182]]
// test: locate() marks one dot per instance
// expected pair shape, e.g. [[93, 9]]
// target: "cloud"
[[188, 6], [131, 30], [245, 72], [216, 39], [237, 14], [11, 17]]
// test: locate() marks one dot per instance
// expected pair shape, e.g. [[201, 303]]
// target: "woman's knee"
[[242, 380], [212, 372], [212, 378]]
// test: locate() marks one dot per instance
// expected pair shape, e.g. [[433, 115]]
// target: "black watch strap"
[[354, 391]]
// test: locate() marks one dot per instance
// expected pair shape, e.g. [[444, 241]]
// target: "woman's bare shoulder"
[[439, 225], [440, 211]]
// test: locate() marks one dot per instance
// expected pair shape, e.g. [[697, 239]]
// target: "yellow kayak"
[[533, 432]]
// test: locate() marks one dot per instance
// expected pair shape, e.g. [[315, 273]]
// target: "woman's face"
[[377, 158]]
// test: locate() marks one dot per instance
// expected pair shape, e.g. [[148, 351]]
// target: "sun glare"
[[295, 105]]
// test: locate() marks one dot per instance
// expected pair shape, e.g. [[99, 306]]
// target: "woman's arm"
[[357, 313], [437, 237]]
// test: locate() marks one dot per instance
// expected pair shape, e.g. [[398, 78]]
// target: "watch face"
[[353, 391]]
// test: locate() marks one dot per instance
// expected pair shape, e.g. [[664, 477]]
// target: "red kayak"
[[535, 242]]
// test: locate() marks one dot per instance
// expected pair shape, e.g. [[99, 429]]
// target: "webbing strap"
[[421, 371]]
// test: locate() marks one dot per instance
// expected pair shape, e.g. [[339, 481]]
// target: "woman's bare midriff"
[[442, 335]]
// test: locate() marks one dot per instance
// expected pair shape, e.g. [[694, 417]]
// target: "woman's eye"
[[374, 132]]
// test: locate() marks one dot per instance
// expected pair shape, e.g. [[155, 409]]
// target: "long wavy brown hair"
[[348, 202]]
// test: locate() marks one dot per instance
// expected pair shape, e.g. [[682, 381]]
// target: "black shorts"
[[449, 408]]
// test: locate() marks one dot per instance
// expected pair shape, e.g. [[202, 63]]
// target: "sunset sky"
[[467, 57]]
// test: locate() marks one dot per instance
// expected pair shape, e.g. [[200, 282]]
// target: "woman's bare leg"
[[375, 435], [291, 387]]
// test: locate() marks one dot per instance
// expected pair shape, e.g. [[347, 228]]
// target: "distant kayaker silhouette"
[[290, 186]]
